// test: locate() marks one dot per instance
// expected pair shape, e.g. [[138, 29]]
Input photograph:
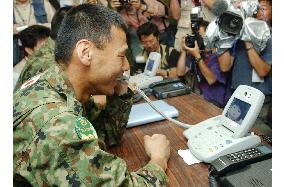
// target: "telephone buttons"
[[228, 141], [209, 128]]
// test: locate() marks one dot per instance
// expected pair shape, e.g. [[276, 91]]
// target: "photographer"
[[213, 84], [135, 13], [148, 34], [250, 67]]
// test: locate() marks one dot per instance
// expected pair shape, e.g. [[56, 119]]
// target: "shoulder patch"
[[30, 82], [85, 129]]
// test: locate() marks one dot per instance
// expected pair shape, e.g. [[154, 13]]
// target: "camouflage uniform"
[[42, 59], [55, 146]]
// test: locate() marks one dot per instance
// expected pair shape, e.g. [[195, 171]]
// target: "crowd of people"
[[69, 105]]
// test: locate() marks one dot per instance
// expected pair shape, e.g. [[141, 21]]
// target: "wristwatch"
[[197, 60], [250, 46]]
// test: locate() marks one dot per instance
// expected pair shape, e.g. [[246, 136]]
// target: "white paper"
[[187, 156]]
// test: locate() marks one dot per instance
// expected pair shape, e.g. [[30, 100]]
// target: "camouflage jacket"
[[55, 146], [41, 60]]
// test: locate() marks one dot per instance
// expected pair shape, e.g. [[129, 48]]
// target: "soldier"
[[54, 144]]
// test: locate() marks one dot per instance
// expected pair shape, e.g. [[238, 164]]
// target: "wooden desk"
[[192, 109]]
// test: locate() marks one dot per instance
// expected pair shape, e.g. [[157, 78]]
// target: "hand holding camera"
[[190, 45], [125, 3], [115, 4], [194, 51]]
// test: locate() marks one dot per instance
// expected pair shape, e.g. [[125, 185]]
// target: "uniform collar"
[[50, 42], [59, 81]]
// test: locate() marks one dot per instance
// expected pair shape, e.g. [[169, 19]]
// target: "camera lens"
[[189, 41], [124, 2], [230, 23], [234, 23]]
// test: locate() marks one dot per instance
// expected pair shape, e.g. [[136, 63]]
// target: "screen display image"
[[150, 65], [237, 110]]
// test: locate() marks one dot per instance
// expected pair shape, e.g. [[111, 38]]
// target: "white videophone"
[[143, 80], [228, 132]]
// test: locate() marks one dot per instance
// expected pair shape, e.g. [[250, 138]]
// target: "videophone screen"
[[150, 65], [237, 110]]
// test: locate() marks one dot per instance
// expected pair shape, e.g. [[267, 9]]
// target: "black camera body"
[[190, 39], [195, 22], [124, 2]]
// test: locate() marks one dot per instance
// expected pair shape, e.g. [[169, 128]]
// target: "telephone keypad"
[[215, 141], [243, 155]]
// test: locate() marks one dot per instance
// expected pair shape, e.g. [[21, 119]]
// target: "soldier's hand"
[[100, 99], [157, 148], [122, 86]]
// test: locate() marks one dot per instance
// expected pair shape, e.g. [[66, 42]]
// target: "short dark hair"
[[31, 35], [86, 21], [268, 1], [147, 29], [57, 20], [203, 23]]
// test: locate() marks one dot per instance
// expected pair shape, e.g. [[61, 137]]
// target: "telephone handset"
[[228, 132], [152, 64], [233, 161], [169, 88], [143, 80], [164, 82]]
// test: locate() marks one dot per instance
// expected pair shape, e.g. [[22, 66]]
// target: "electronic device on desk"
[[143, 80], [234, 161], [228, 132], [169, 88], [256, 174], [242, 167], [143, 113]]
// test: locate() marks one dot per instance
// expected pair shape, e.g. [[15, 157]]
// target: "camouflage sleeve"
[[81, 162], [111, 122]]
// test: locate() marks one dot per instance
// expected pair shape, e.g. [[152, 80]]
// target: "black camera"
[[124, 2], [230, 23], [195, 20], [189, 41]]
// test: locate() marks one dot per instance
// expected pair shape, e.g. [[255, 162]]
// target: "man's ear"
[[84, 52], [29, 51]]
